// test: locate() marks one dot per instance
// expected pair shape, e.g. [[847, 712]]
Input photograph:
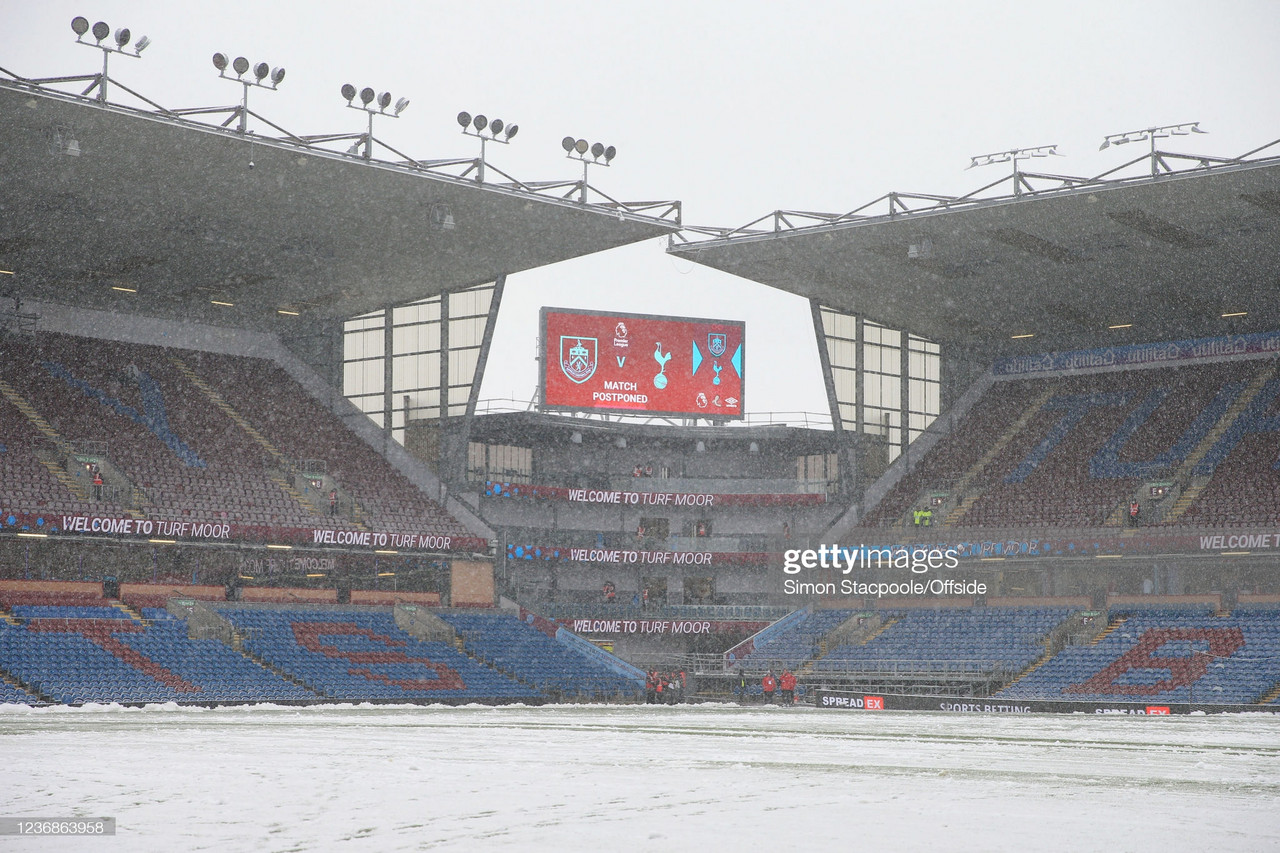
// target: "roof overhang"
[[1108, 263], [158, 215]]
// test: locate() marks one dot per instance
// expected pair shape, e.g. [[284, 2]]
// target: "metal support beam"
[[462, 440], [904, 395], [443, 459], [859, 380], [388, 347], [824, 358]]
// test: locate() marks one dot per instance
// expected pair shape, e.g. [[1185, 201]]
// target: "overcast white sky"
[[736, 108]]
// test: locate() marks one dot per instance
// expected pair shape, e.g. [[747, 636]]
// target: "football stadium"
[[274, 575]]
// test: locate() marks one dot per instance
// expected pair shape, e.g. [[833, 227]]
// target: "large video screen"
[[640, 363]]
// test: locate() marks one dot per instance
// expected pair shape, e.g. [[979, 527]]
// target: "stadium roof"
[[111, 207], [1083, 263]]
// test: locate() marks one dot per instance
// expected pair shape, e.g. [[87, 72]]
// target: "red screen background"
[[619, 370]]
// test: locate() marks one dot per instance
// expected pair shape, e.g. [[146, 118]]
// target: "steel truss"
[[896, 205]]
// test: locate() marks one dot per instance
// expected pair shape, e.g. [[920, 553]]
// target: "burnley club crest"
[[578, 357], [717, 343]]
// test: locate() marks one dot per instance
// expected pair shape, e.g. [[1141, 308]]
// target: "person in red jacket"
[[788, 684], [768, 684]]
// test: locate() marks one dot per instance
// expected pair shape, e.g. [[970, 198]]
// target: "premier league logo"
[[717, 343], [578, 357]]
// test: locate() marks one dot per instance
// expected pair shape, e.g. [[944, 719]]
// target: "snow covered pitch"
[[599, 778]]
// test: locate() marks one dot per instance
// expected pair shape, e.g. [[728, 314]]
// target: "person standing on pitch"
[[788, 684], [768, 684]]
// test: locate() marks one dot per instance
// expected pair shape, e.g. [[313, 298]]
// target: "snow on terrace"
[[638, 778]]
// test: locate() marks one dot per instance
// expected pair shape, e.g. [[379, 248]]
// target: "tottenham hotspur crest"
[[578, 357]]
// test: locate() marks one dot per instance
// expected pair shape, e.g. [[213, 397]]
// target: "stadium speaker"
[[111, 587]]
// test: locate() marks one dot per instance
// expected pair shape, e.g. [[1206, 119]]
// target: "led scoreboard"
[[640, 363]]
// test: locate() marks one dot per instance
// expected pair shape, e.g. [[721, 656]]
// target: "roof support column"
[[388, 347], [904, 396], [455, 467], [824, 358]]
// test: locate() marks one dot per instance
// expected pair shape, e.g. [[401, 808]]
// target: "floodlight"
[[141, 45], [277, 75], [495, 126], [384, 100], [567, 144], [464, 119], [80, 25], [101, 30], [261, 70], [240, 65], [366, 96], [479, 123], [348, 91], [512, 130], [580, 146], [597, 150], [401, 105], [122, 36], [610, 153], [1150, 135], [220, 61]]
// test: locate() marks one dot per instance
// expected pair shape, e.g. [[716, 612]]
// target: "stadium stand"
[[13, 695], [79, 660], [26, 481], [362, 655], [795, 642], [534, 657], [174, 448], [96, 650], [1166, 654], [1069, 451], [303, 431], [976, 639]]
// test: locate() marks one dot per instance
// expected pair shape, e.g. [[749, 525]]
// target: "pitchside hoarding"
[[849, 700], [643, 364]]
